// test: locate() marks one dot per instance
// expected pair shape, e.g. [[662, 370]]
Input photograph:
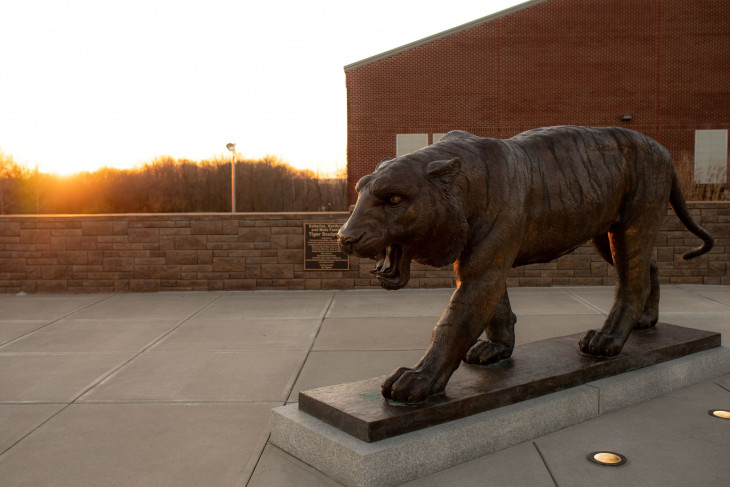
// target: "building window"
[[407, 143], [710, 156]]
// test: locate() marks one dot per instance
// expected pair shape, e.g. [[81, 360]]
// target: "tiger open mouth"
[[393, 268]]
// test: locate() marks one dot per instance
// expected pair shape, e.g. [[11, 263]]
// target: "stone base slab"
[[397, 460], [533, 370]]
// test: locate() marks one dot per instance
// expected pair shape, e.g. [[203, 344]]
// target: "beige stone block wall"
[[182, 252]]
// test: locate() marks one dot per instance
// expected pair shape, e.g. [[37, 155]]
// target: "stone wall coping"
[[148, 216]]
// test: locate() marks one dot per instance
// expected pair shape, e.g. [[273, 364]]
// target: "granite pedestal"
[[547, 386]]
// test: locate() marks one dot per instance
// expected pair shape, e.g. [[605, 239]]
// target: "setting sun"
[[89, 84]]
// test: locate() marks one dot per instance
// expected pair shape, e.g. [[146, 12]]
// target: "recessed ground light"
[[719, 413], [607, 458]]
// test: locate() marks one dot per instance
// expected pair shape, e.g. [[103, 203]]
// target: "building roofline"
[[440, 35]]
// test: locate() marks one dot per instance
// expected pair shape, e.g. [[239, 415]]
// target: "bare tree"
[[170, 185]]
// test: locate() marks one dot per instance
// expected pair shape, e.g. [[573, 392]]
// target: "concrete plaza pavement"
[[176, 389]]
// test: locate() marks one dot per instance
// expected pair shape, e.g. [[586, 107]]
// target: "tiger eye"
[[394, 200]]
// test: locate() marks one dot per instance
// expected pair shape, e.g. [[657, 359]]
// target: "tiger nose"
[[346, 241]]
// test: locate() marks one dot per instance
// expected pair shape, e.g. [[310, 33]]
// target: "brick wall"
[[175, 252], [557, 62]]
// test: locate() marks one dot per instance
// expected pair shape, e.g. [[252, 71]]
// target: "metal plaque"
[[321, 252]]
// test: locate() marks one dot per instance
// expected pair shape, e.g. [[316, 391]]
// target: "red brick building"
[[661, 67]]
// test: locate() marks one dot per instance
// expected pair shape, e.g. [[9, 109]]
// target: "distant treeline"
[[168, 185]]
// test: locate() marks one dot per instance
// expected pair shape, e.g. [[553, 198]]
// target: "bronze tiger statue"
[[487, 205]]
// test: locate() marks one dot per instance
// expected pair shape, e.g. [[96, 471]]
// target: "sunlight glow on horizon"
[[89, 84]]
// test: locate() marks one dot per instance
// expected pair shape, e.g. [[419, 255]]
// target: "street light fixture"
[[232, 147]]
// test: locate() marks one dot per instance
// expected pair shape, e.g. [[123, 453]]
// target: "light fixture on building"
[[607, 458], [719, 413], [626, 117]]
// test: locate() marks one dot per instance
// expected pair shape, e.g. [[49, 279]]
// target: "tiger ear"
[[363, 181], [382, 162], [444, 170]]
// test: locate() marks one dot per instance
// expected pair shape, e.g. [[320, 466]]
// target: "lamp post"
[[232, 147]]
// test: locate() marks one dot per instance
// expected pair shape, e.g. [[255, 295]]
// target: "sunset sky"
[[91, 83]]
